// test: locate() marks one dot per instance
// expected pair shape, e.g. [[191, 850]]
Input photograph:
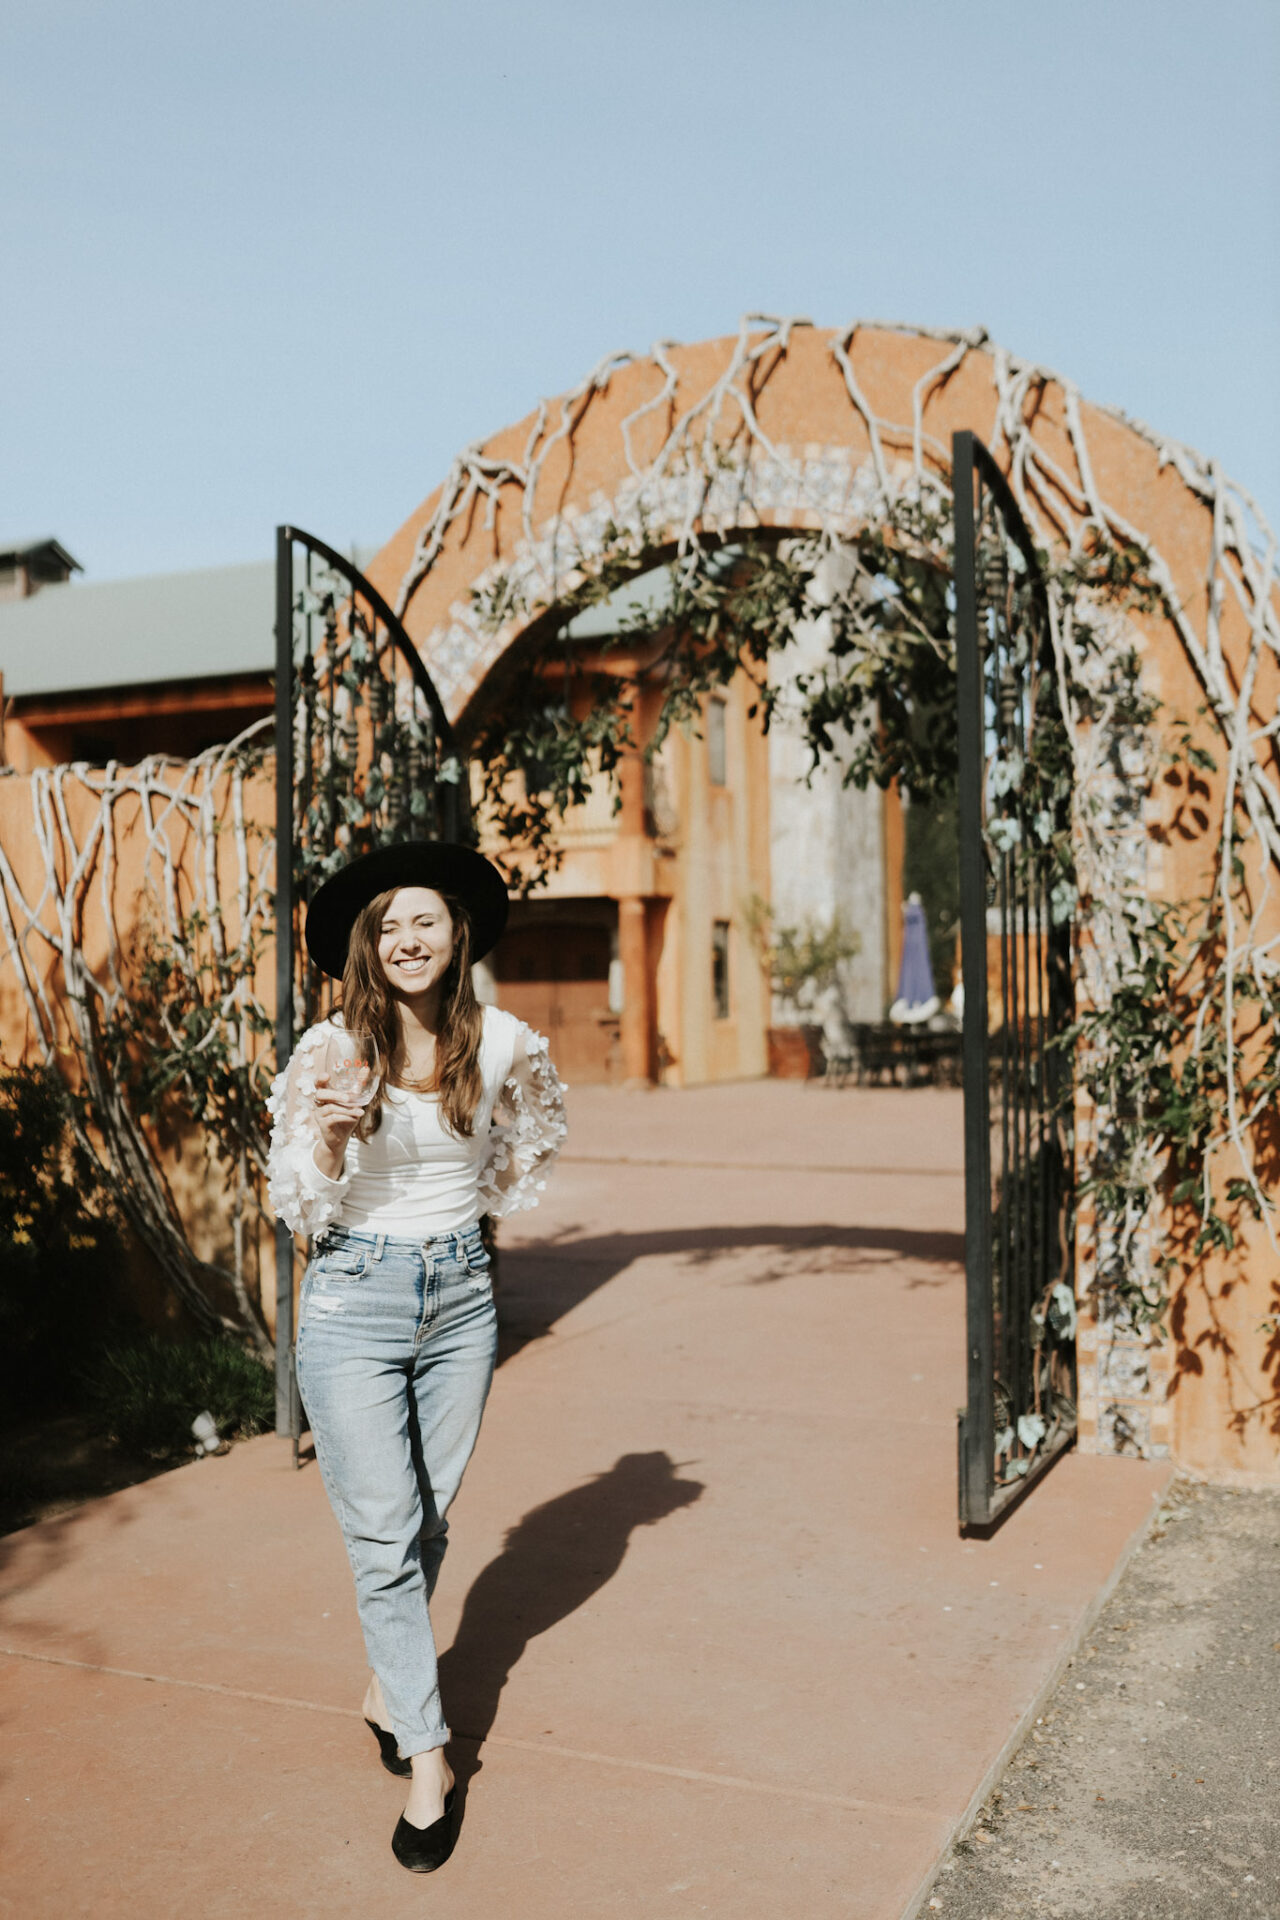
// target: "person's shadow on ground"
[[551, 1564]]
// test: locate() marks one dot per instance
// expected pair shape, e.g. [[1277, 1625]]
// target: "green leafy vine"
[[879, 703]]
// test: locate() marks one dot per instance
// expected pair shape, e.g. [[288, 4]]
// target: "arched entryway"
[[786, 427]]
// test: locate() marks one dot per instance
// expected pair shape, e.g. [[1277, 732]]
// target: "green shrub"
[[59, 1247], [145, 1392]]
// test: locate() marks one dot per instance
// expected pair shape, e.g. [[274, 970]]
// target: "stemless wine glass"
[[352, 1063]]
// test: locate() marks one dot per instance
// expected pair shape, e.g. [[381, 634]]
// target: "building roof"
[[174, 626], [13, 552]]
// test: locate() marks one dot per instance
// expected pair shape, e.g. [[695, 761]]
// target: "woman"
[[389, 1169]]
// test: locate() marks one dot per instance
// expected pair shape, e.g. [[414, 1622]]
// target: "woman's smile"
[[415, 944]]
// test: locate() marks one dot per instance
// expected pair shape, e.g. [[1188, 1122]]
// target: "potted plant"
[[802, 964]]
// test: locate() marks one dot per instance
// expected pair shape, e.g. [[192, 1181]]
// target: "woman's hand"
[[337, 1118]]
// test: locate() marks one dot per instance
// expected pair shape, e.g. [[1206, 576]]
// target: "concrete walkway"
[[715, 1646]]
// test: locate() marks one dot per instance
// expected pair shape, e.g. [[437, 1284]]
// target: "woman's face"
[[415, 942]]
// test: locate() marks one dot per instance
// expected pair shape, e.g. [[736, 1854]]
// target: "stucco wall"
[[827, 845]]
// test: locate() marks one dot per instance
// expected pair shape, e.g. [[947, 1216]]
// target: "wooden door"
[[555, 976]]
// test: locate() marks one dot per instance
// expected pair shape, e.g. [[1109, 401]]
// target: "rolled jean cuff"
[[409, 1744]]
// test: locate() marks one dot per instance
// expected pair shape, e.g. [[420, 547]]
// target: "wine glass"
[[352, 1064]]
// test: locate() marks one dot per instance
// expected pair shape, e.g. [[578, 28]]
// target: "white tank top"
[[414, 1177]]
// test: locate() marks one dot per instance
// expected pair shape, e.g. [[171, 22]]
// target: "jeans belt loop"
[[380, 1246]]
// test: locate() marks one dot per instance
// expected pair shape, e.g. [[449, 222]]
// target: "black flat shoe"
[[423, 1849], [403, 1769]]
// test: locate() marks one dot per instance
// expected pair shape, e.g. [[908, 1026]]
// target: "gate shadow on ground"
[[541, 1282], [551, 1563]]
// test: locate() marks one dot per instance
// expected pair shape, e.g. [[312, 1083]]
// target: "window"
[[720, 968], [715, 743]]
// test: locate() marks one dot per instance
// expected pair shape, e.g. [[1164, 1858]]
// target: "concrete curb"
[[1043, 1693]]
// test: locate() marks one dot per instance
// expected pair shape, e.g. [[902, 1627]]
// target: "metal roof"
[[174, 626], [14, 550]]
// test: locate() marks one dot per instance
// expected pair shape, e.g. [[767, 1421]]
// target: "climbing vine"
[[166, 1031], [880, 702], [1171, 1102]]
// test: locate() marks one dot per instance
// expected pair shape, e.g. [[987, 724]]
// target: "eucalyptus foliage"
[[879, 703]]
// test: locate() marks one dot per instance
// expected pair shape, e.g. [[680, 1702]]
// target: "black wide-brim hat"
[[439, 864]]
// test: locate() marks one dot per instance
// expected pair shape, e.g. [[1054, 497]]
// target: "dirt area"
[[1148, 1788], [50, 1465]]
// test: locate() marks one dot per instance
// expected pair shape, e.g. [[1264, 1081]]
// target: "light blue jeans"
[[396, 1347]]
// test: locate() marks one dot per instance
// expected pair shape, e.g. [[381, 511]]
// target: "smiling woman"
[[408, 991], [396, 1329]]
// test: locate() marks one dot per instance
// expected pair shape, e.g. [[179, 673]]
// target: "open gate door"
[[1015, 919], [364, 758]]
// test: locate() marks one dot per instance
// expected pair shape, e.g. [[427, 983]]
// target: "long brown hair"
[[369, 1009]]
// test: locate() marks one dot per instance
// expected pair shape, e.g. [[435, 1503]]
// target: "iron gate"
[[1015, 919], [364, 757]]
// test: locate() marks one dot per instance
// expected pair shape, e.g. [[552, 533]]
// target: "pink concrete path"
[[715, 1647]]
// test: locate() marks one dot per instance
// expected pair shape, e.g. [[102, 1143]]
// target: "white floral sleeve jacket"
[[519, 1128]]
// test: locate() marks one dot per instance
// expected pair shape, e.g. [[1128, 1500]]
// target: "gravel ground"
[[1148, 1788]]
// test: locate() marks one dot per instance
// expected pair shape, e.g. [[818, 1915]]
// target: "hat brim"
[[439, 864]]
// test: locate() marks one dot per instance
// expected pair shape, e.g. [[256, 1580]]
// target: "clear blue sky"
[[274, 261]]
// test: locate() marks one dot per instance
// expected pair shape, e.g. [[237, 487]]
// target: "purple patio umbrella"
[[915, 975]]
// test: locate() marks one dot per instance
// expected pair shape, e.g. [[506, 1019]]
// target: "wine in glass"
[[352, 1064]]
